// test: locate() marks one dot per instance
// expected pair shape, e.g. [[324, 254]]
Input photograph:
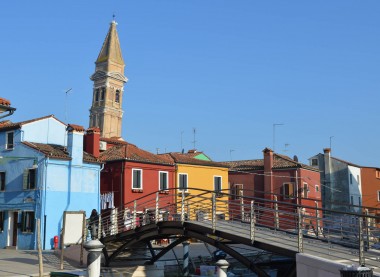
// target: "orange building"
[[371, 189]]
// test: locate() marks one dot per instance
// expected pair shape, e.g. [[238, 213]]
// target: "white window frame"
[[221, 183], [159, 180], [7, 147], [305, 194], [3, 182], [313, 163], [187, 181], [141, 178]]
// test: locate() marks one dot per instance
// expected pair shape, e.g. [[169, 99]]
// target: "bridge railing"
[[252, 216]]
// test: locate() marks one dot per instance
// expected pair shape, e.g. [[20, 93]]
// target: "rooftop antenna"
[[66, 92], [181, 140], [231, 150], [113, 17], [194, 141], [330, 141]]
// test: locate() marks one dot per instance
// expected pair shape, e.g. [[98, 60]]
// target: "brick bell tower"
[[106, 112]]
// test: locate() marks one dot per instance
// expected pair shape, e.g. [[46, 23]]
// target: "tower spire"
[[106, 111]]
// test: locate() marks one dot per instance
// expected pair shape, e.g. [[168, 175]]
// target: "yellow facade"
[[200, 186]]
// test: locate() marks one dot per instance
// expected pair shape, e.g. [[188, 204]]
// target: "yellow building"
[[199, 179]]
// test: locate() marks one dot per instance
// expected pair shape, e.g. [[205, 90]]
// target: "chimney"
[[268, 178], [92, 141], [75, 143], [327, 151]]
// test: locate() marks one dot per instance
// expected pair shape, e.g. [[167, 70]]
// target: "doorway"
[[12, 229]]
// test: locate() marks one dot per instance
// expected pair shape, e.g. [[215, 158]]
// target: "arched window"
[[97, 95], [103, 94], [117, 96]]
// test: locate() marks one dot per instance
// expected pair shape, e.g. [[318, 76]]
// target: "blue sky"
[[230, 69]]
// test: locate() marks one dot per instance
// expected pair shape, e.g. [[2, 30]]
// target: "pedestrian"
[[93, 224]]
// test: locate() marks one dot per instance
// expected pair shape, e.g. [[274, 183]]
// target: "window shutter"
[[25, 179], [23, 221]]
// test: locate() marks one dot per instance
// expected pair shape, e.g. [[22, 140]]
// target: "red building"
[[129, 172], [277, 176]]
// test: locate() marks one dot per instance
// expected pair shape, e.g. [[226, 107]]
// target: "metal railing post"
[[242, 208], [276, 217], [367, 227], [316, 218], [183, 207], [157, 208], [361, 243], [100, 226], [134, 215], [253, 221], [213, 212], [300, 234]]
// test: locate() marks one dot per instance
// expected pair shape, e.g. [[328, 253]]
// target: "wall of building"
[[51, 131], [370, 188], [112, 180], [202, 177]]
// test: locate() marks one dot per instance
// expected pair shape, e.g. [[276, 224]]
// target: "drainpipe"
[[122, 184]]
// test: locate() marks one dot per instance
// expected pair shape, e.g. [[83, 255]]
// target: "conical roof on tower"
[[111, 50]]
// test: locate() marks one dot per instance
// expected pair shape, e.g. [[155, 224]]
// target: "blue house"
[[43, 172]]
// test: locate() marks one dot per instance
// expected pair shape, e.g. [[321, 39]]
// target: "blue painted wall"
[[62, 185]]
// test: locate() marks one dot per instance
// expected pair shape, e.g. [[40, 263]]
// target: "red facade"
[[278, 177]]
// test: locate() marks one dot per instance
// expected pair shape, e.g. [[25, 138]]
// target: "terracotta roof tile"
[[4, 102], [58, 152], [279, 162], [128, 151], [74, 127], [188, 159]]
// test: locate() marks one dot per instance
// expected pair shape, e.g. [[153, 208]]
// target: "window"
[[97, 95], [102, 95], [316, 188], [136, 179], [352, 200], [360, 201], [9, 144], [2, 181], [378, 195], [305, 190], [350, 178], [237, 191], [377, 173], [288, 190], [163, 180], [358, 178], [182, 181], [117, 96], [1, 221], [29, 181], [217, 184], [314, 162], [27, 222]]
